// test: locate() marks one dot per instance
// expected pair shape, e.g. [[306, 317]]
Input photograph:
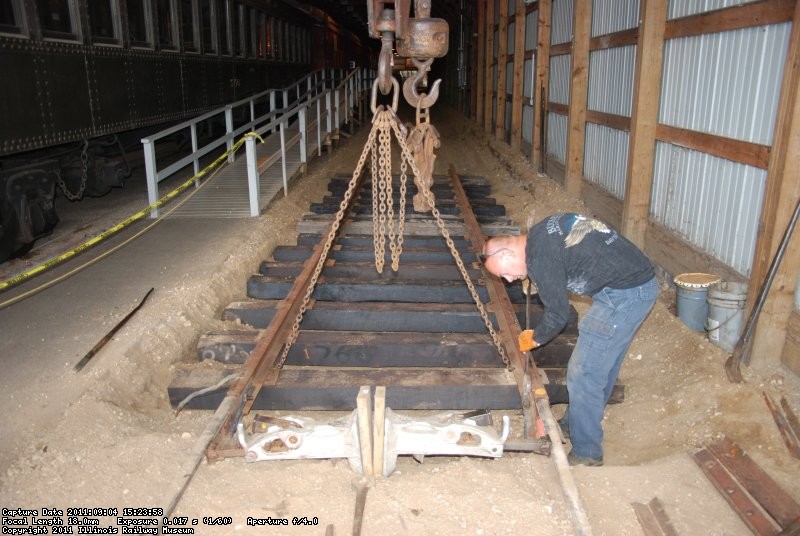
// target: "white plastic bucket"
[[726, 302], [691, 299]]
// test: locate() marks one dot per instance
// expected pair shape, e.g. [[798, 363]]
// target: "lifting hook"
[[417, 100]]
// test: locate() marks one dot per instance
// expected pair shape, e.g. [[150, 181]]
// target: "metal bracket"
[[359, 437], [443, 434], [308, 440]]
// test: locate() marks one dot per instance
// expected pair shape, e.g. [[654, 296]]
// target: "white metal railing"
[[331, 91]]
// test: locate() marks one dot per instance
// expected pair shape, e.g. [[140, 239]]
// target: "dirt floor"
[[117, 444]]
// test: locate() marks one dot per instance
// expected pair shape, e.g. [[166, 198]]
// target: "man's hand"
[[525, 341]]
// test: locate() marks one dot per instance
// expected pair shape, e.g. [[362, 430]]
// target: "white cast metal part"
[[444, 434], [309, 440]]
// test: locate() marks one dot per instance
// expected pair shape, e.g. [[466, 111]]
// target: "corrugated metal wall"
[[531, 36], [711, 202], [606, 158], [609, 16], [561, 29], [557, 137], [683, 8], [726, 84], [610, 91]]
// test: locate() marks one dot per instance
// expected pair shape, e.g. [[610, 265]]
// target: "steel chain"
[[328, 243], [454, 251], [383, 117], [84, 177]]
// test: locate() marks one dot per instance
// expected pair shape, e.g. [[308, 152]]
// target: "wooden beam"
[[619, 122], [780, 198], [576, 121], [744, 152], [732, 18], [646, 94], [557, 107], [614, 40], [542, 81], [489, 85], [561, 49], [502, 60], [519, 75], [480, 68]]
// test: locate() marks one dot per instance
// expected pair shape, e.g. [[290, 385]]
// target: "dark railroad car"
[[84, 80]]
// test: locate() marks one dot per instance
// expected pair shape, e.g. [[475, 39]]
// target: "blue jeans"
[[604, 334]]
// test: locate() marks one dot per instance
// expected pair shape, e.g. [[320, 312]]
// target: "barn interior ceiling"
[[352, 14]]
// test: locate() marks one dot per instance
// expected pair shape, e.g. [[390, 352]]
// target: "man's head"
[[504, 256]]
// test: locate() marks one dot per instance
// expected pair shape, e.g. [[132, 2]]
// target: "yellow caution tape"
[[116, 228]]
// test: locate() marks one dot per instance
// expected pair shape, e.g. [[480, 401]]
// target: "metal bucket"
[[692, 303], [726, 303]]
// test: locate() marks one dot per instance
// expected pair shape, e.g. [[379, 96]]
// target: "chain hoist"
[[422, 39]]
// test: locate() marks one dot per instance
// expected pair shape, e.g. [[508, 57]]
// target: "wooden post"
[[502, 60], [576, 129], [540, 91], [644, 120], [519, 72], [364, 424], [488, 85], [480, 68], [780, 198], [378, 429]]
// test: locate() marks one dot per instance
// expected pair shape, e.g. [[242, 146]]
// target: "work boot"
[[574, 459]]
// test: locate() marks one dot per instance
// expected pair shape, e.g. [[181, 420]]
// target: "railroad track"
[[416, 331]]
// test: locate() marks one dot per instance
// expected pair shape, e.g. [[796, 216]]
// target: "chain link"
[[84, 177], [426, 192], [295, 332], [384, 121]]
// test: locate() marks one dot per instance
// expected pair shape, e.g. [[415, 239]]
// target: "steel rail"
[[535, 395]]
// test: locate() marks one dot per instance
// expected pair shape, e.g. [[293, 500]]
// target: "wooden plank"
[[445, 208], [732, 18], [781, 195], [579, 90], [561, 49], [421, 228], [644, 120], [336, 390], [614, 40], [677, 256], [479, 73], [366, 240], [774, 500], [502, 61], [365, 271], [518, 81], [365, 255], [557, 388], [653, 518], [490, 61], [557, 107], [364, 425], [542, 81], [379, 429], [647, 520], [382, 349], [301, 388], [352, 290], [619, 122], [744, 152], [791, 349], [747, 510], [368, 316]]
